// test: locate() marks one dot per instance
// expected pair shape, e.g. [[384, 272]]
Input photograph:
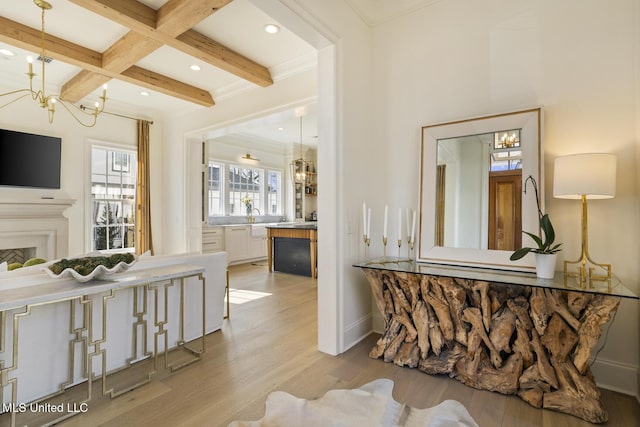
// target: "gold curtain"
[[440, 200], [143, 195]]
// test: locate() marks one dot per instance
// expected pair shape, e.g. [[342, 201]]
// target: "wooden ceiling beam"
[[94, 75], [27, 38], [189, 41], [171, 20], [177, 16], [167, 85], [202, 47]]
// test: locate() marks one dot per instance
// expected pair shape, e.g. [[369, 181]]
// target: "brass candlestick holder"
[[367, 242], [410, 244], [384, 248]]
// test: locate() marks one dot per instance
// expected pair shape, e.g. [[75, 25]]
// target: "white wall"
[[27, 116], [576, 59]]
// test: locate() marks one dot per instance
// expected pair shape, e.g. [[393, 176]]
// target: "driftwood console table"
[[501, 331]]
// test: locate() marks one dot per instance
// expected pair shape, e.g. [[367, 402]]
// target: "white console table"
[[88, 309]]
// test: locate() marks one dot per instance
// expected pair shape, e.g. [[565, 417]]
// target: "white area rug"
[[370, 405]]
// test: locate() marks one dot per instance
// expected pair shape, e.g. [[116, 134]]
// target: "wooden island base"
[[529, 341]]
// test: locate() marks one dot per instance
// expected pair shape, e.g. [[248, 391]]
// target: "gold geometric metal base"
[[586, 266], [84, 346]]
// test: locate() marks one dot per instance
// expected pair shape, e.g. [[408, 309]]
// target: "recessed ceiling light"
[[143, 93], [271, 28], [280, 128], [195, 67], [6, 52]]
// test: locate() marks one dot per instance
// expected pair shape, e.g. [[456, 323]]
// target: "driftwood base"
[[512, 339]]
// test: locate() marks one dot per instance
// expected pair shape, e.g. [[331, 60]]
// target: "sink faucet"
[[256, 209]]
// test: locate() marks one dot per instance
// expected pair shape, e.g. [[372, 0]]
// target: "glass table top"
[[497, 276]]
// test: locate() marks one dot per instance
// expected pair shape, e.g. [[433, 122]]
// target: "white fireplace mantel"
[[38, 223], [33, 208]]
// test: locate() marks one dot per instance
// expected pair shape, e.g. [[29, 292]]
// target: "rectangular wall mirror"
[[472, 207]]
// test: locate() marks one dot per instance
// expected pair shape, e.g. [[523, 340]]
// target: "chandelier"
[[49, 102], [507, 139], [299, 166]]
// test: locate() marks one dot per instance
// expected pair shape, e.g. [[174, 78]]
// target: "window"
[[113, 194], [274, 192], [240, 190], [244, 184], [216, 188], [506, 152]]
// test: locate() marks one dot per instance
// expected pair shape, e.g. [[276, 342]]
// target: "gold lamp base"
[[586, 266]]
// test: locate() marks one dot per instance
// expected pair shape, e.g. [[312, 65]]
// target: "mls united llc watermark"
[[69, 407]]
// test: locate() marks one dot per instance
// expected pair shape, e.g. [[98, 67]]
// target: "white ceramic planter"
[[545, 265]]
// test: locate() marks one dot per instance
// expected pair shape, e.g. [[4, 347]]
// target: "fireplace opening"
[[19, 255]]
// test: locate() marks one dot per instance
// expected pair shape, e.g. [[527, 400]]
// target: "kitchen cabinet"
[[236, 242], [258, 247], [212, 239], [245, 242]]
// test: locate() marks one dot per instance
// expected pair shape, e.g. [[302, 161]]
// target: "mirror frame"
[[530, 123]]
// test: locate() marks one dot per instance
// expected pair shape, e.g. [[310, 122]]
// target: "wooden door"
[[505, 210]]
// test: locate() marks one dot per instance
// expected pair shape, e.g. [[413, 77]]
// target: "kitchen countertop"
[[295, 225]]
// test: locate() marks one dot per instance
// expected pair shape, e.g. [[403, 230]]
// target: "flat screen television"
[[28, 160]]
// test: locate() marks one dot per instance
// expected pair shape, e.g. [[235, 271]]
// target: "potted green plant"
[[545, 251]]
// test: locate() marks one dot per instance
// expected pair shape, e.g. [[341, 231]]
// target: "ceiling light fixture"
[[195, 67], [143, 93], [49, 101], [299, 166], [247, 158], [6, 52], [271, 28]]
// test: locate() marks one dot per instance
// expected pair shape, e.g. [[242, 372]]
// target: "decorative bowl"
[[99, 272]]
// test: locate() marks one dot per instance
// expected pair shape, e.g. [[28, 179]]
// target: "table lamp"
[[585, 176]]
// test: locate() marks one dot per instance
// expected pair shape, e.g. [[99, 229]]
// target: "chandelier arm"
[[18, 98], [84, 109], [76, 118]]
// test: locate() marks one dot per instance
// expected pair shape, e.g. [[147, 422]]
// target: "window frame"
[[225, 168], [111, 149]]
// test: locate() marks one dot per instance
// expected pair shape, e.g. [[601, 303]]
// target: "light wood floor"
[[269, 343]]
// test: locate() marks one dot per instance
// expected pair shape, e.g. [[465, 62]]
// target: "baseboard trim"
[[357, 331], [616, 376]]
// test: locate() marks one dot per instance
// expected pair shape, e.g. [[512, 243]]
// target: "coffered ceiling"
[[148, 46]]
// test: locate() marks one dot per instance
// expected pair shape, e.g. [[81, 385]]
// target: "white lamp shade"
[[589, 174]]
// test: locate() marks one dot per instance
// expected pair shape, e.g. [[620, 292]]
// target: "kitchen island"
[[292, 248]]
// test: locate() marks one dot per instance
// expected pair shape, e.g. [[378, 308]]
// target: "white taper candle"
[[384, 227], [406, 212], [413, 226], [364, 219]]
